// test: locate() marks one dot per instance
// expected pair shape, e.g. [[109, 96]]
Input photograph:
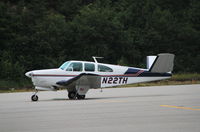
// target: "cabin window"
[[75, 66], [89, 67], [102, 68]]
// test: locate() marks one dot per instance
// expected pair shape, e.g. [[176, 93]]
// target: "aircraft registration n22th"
[[80, 76], [114, 80]]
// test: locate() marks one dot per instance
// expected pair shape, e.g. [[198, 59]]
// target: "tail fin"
[[163, 63]]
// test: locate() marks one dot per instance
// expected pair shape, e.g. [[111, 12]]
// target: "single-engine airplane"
[[80, 76]]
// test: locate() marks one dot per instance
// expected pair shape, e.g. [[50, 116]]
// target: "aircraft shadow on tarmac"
[[102, 98]]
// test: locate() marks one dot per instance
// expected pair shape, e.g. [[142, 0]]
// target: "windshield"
[[64, 65]]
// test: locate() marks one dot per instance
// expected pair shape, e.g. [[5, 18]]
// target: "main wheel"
[[72, 95], [80, 96], [34, 97]]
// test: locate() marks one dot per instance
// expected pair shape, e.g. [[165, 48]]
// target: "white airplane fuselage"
[[121, 75]]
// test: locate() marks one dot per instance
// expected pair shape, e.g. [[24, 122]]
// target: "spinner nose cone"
[[29, 74]]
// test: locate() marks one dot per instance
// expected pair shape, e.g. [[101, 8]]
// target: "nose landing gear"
[[34, 97]]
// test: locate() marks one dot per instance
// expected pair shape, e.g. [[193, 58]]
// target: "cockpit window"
[[64, 65], [75, 66], [89, 67], [102, 68]]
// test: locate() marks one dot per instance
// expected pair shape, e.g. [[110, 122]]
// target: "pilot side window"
[[102, 68], [75, 66], [89, 67]]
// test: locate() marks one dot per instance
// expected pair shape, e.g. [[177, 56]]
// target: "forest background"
[[42, 34]]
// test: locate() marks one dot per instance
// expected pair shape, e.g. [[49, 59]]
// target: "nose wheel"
[[34, 97]]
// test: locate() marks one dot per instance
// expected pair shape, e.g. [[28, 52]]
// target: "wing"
[[81, 83]]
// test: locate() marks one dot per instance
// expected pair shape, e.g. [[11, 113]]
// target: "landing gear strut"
[[74, 95], [34, 97]]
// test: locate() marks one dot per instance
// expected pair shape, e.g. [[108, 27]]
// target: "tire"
[[34, 98], [80, 96], [72, 95]]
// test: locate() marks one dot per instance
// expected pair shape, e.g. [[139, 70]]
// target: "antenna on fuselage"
[[95, 58]]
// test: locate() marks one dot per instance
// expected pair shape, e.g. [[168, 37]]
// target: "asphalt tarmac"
[[138, 109]]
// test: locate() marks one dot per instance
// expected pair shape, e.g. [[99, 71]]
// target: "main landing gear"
[[74, 95], [34, 97]]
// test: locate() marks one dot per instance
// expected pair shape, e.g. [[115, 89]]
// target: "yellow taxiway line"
[[180, 107]]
